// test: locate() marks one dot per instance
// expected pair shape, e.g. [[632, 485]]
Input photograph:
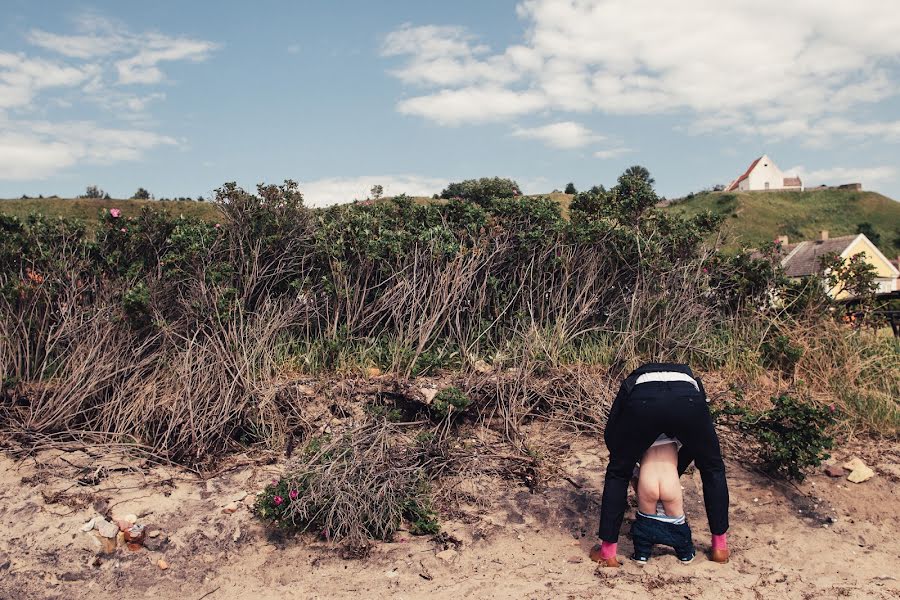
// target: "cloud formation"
[[868, 176], [745, 66], [96, 66], [37, 149], [565, 134]]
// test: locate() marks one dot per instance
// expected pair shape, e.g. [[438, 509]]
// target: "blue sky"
[[180, 97]]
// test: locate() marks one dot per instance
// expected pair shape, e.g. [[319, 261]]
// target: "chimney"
[[783, 240], [823, 235]]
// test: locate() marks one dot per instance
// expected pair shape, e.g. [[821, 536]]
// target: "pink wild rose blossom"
[[115, 213], [294, 494], [278, 500]]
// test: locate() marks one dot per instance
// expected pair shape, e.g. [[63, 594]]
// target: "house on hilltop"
[[804, 259], [763, 174]]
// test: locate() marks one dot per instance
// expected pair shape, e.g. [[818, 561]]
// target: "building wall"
[[765, 171], [887, 279]]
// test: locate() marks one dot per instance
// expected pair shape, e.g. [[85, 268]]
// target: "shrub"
[[779, 352], [481, 191], [449, 401], [141, 194], [570, 188], [794, 435]]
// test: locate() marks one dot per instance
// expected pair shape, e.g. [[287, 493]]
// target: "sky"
[[181, 97]]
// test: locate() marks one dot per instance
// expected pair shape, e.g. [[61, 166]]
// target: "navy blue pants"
[[646, 532], [677, 409]]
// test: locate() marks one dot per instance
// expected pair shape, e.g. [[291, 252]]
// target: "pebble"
[[162, 564], [107, 529], [575, 559], [834, 471], [154, 533], [231, 508], [89, 525], [447, 555], [859, 471]]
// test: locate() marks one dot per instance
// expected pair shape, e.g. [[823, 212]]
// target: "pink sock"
[[608, 549], [720, 542]]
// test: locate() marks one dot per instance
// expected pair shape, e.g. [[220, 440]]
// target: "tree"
[[141, 194], [638, 172], [570, 188], [867, 230], [92, 191], [377, 192]]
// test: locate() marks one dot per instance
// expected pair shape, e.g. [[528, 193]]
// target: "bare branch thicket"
[[359, 483]]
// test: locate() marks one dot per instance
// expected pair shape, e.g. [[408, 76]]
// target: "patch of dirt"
[[825, 538]]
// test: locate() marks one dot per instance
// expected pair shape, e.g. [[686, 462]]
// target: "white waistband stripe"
[[666, 376]]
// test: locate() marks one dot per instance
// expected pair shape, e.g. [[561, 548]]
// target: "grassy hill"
[[88, 209], [753, 218]]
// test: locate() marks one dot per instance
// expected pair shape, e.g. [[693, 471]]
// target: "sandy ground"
[[826, 538]]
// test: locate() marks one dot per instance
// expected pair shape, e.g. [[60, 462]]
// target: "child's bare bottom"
[[658, 481]]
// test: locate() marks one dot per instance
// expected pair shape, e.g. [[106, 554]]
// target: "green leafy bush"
[[451, 400], [794, 435], [481, 191], [781, 353]]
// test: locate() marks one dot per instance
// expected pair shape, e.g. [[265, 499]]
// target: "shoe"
[[687, 558], [640, 558], [719, 555], [604, 562]]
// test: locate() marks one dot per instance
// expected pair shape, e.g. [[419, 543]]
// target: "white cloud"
[[143, 66], [868, 176], [746, 65], [565, 134], [472, 105], [37, 149], [21, 77], [611, 153], [98, 53], [101, 38], [337, 190]]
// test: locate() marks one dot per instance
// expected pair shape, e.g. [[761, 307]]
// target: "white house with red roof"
[[763, 174]]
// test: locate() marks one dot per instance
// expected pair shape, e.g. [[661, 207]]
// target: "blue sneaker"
[[640, 558]]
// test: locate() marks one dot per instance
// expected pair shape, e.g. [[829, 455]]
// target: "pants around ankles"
[[646, 532]]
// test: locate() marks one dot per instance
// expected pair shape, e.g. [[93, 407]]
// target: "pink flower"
[[218, 225], [274, 482], [294, 494], [115, 213], [831, 407], [278, 500], [123, 230]]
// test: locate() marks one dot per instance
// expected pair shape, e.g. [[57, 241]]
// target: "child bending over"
[[660, 518]]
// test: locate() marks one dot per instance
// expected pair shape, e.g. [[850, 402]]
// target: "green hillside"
[[88, 209], [753, 218]]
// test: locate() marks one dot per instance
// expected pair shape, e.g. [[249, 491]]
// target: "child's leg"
[[642, 538], [683, 543]]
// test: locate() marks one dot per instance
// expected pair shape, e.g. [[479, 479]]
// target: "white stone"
[[107, 529]]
